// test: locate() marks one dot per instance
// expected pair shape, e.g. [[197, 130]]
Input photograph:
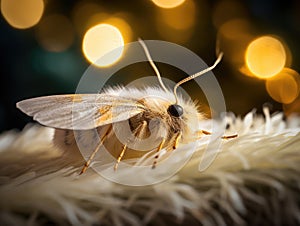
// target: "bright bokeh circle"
[[22, 14], [168, 3], [265, 57], [284, 87], [101, 40]]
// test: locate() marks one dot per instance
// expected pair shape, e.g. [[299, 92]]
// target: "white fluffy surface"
[[255, 180]]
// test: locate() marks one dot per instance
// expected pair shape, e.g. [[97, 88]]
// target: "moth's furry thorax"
[[157, 101]]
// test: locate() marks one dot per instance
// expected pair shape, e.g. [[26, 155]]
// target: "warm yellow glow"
[[292, 108], [233, 38], [244, 70], [177, 24], [55, 33], [123, 26], [115, 21], [236, 29], [180, 18], [168, 3], [101, 40], [285, 86], [22, 14], [265, 57]]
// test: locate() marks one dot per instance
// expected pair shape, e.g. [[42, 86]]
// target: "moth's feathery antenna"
[[152, 64], [197, 75]]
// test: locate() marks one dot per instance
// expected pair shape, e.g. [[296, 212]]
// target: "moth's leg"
[[209, 133], [229, 137], [176, 141], [141, 130], [120, 157], [88, 162], [157, 153], [204, 132]]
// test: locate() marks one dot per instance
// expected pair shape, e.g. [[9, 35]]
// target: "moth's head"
[[184, 116], [175, 110]]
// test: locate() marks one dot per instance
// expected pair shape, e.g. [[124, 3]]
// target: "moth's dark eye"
[[175, 110]]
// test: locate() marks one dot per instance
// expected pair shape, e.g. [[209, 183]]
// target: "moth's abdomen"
[[81, 143]]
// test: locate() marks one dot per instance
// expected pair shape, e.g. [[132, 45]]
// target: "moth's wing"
[[80, 111]]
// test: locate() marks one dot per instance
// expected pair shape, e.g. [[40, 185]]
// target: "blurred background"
[[47, 45]]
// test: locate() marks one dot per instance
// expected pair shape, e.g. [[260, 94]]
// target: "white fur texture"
[[255, 180]]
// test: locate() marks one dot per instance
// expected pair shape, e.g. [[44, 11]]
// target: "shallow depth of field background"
[[47, 45]]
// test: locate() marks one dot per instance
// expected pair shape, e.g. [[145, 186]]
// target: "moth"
[[155, 115]]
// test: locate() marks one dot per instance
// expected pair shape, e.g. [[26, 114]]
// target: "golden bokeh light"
[[168, 3], [285, 86], [236, 29], [100, 40], [265, 57], [115, 21], [123, 26], [22, 14], [180, 18], [245, 71], [55, 33], [87, 14], [292, 108], [176, 24], [233, 38]]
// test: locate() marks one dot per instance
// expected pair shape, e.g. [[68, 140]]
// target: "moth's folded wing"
[[80, 111]]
